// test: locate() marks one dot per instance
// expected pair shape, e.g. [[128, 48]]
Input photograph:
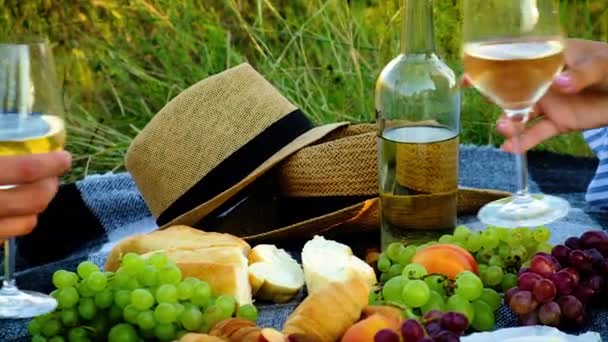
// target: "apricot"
[[366, 329], [446, 259]]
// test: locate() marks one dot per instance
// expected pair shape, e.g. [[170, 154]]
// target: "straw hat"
[[213, 140]]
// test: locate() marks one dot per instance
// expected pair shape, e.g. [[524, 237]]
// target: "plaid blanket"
[[86, 218]]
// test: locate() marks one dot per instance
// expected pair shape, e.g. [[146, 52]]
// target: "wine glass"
[[30, 122], [512, 50]]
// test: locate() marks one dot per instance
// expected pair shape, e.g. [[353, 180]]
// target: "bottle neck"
[[417, 35]]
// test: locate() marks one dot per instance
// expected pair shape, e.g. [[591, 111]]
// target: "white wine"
[[513, 73], [30, 135], [418, 183]]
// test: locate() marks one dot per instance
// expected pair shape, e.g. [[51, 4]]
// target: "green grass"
[[121, 61]]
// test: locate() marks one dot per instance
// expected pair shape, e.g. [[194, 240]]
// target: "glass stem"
[[8, 284], [519, 119]]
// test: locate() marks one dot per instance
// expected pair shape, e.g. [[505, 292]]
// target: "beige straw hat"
[[213, 140]]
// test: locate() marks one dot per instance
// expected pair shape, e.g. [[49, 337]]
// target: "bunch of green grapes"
[[499, 254], [144, 299]]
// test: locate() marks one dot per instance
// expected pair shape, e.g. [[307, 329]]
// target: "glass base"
[[533, 211], [15, 303]]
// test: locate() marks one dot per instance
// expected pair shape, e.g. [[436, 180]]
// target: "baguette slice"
[[273, 274], [172, 237], [224, 268], [327, 261]]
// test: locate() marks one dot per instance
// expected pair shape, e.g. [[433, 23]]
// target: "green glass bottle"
[[418, 116]]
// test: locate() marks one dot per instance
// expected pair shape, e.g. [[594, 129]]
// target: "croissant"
[[326, 314], [236, 330]]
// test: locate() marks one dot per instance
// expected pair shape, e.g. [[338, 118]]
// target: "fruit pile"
[[557, 288], [143, 299], [463, 272], [438, 326]]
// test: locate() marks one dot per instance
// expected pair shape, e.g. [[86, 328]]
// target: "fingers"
[[532, 136], [16, 226], [588, 72], [28, 199], [32, 168]]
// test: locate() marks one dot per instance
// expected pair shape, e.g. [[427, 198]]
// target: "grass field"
[[122, 60]]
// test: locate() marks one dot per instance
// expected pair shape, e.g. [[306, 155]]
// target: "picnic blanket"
[[88, 217]]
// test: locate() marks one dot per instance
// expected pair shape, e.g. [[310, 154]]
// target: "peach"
[[271, 335], [446, 259], [366, 329], [389, 312]]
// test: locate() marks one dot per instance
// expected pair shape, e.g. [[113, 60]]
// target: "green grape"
[[104, 299], [406, 255], [133, 284], [165, 313], [130, 313], [459, 304], [393, 250], [544, 247], [446, 238], [484, 316], [78, 334], [541, 234], [227, 304], [34, 326], [414, 271], [67, 297], [149, 276], [158, 260], [503, 233], [179, 308], [395, 270], [142, 299], [496, 260], [97, 281], [213, 314], [493, 276], [122, 298], [165, 332], [191, 319], [415, 293], [57, 339], [201, 294], [123, 332], [519, 252], [63, 279], [38, 338], [170, 275], [468, 286], [384, 277], [392, 289], [491, 297], [166, 293], [484, 254], [435, 302], [205, 326], [473, 242], [69, 317], [504, 251], [133, 263], [100, 326], [51, 327], [84, 290], [121, 279], [85, 268], [436, 283], [87, 308], [185, 289], [248, 311], [384, 263], [482, 268], [509, 280], [145, 320], [489, 239], [461, 233]]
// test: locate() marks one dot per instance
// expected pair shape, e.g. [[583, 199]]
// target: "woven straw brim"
[[310, 137], [365, 217]]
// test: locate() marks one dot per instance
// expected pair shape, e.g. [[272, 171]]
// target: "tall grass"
[[122, 60]]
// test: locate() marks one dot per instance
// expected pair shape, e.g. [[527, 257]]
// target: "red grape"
[[523, 270], [549, 314], [510, 292], [523, 302], [564, 282], [433, 328], [529, 319], [543, 265], [387, 335], [411, 331], [561, 253], [431, 316], [526, 281], [603, 268], [570, 306], [580, 260], [446, 336], [595, 239], [573, 243], [583, 293], [596, 257], [576, 276], [596, 283], [426, 339], [544, 290], [454, 322]]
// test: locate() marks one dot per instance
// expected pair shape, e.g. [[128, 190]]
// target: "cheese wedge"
[[327, 261], [273, 274]]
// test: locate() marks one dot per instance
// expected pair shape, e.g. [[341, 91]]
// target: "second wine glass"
[[512, 51]]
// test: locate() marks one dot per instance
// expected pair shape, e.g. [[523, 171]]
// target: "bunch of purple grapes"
[[557, 288], [438, 327]]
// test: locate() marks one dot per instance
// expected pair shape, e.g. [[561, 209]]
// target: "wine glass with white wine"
[[30, 122], [512, 51]]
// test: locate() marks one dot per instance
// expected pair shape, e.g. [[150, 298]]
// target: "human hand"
[[36, 177], [577, 99]]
